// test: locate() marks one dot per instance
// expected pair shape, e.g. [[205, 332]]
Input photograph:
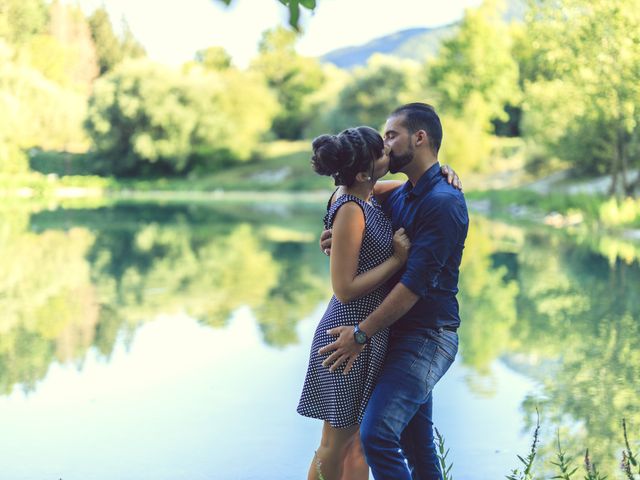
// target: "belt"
[[448, 329]]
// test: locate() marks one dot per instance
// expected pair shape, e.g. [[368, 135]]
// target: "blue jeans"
[[397, 428]]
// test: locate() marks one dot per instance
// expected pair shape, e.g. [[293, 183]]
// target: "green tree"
[[584, 104], [42, 113], [107, 43], [21, 19], [214, 58], [148, 119], [326, 101], [292, 77], [375, 91], [112, 50], [130, 46], [473, 79], [475, 68]]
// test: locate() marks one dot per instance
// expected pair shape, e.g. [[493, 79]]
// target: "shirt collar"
[[425, 182]]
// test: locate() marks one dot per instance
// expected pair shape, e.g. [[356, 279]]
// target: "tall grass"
[[630, 465], [526, 473], [443, 452], [564, 463]]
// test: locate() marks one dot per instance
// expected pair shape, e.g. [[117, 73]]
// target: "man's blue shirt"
[[434, 216]]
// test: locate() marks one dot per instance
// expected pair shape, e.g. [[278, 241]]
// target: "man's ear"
[[421, 138]]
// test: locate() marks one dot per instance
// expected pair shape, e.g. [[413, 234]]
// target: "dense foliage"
[[563, 79], [146, 119]]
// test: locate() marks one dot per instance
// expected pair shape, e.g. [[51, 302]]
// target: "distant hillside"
[[415, 43]]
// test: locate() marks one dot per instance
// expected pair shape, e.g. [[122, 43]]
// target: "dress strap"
[[329, 201], [342, 199]]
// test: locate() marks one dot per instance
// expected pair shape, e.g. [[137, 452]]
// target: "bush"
[[145, 118]]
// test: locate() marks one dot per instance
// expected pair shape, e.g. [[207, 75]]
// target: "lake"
[[170, 341]]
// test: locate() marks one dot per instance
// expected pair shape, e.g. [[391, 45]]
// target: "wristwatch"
[[359, 336]]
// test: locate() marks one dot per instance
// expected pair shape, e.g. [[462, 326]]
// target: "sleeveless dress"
[[332, 396]]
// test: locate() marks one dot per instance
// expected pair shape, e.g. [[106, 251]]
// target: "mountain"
[[415, 43]]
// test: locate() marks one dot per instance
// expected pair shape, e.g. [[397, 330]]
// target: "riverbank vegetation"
[[563, 465], [560, 209], [87, 102]]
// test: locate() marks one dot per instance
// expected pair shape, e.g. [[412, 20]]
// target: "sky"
[[173, 30]]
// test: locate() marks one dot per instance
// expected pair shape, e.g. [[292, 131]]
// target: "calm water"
[[170, 342]]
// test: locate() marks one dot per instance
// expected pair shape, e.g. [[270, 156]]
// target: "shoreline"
[[512, 205]]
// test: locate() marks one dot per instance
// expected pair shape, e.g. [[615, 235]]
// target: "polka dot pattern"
[[331, 396]]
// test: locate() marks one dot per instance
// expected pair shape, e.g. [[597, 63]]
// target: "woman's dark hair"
[[344, 155]]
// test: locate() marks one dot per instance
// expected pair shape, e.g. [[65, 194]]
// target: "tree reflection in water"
[[558, 307]]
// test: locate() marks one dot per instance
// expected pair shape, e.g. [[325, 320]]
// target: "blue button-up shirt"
[[434, 216]]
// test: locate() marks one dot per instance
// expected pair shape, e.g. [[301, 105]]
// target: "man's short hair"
[[422, 116]]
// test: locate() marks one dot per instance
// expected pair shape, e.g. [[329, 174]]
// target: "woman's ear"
[[363, 177]]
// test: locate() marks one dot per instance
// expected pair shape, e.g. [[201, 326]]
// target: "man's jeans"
[[397, 424]]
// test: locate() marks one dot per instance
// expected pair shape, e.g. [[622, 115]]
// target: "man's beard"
[[398, 162]]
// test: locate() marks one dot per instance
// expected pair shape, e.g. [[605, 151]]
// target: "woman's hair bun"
[[344, 155], [326, 154]]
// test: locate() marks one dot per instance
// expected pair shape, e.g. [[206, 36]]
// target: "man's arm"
[[395, 305], [435, 236], [399, 301]]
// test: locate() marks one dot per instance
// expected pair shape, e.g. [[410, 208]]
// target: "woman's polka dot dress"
[[332, 396]]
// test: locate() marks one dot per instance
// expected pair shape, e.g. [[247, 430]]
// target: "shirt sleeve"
[[436, 234]]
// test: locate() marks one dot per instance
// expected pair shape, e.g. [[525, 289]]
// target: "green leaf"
[[294, 13], [310, 4]]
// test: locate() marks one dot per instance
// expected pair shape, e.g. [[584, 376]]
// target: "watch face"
[[361, 337]]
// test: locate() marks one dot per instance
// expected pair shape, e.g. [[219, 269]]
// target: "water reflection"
[[564, 310], [560, 308]]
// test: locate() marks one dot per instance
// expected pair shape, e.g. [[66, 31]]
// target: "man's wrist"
[[363, 326], [359, 336]]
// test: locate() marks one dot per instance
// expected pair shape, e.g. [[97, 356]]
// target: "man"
[[421, 310]]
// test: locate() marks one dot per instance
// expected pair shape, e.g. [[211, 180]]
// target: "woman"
[[365, 255]]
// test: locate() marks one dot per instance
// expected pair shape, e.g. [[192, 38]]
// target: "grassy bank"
[[560, 209], [39, 186], [282, 168]]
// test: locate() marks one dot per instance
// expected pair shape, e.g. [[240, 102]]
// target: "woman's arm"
[[348, 232], [383, 188]]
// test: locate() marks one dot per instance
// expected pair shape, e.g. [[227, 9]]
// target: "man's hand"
[[344, 348], [325, 242], [452, 176]]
